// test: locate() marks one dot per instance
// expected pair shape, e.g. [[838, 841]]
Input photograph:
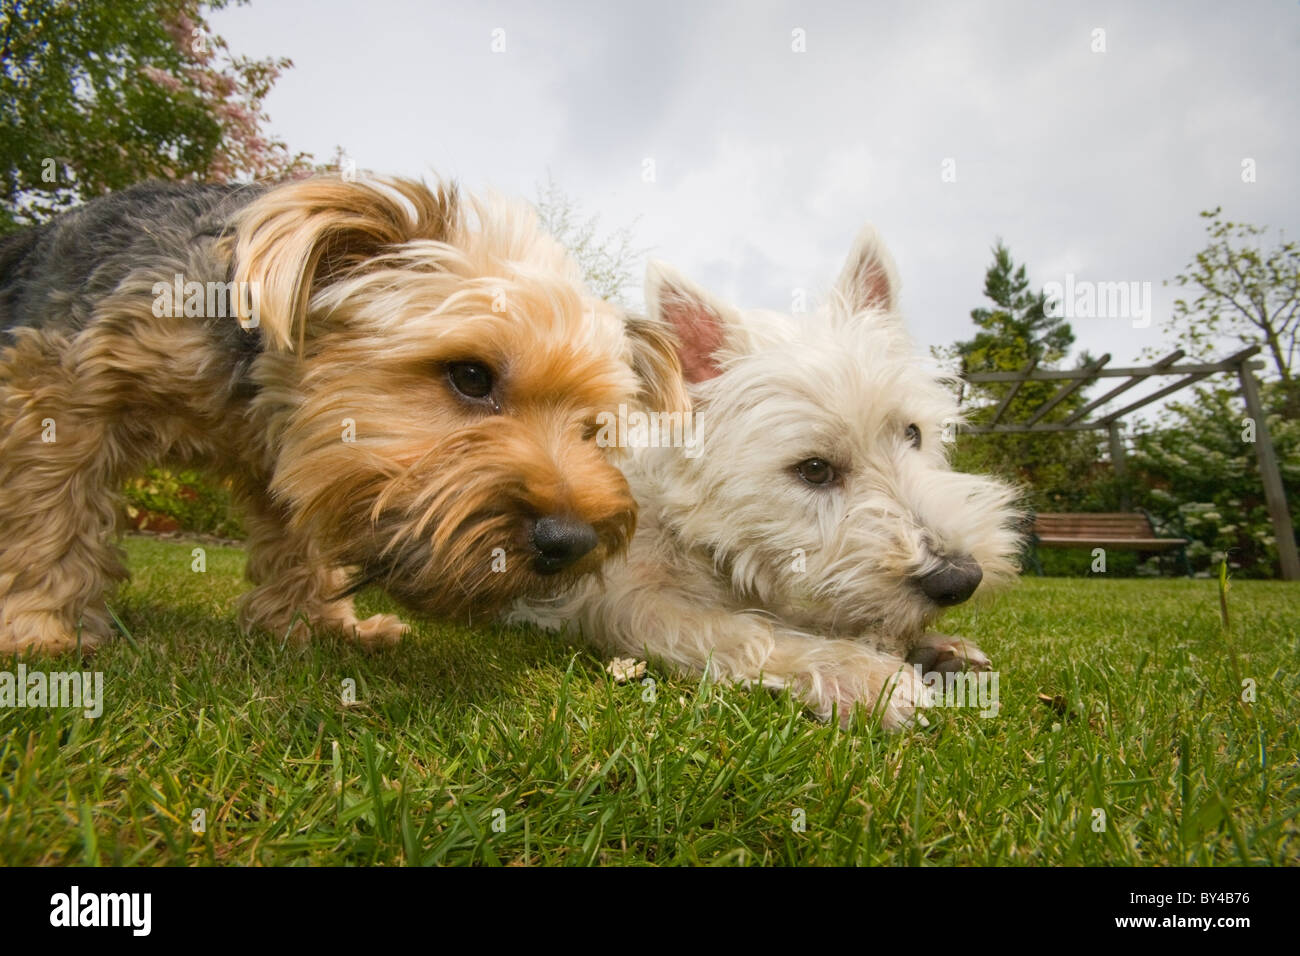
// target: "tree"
[[102, 95], [1015, 331], [606, 260], [1019, 329], [1244, 291]]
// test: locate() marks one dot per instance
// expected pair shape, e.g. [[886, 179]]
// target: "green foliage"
[[1197, 472], [1056, 468], [1018, 330], [1077, 563], [98, 96], [167, 500], [1244, 291]]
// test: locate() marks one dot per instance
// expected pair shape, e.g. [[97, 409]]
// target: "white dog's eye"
[[816, 471], [913, 435]]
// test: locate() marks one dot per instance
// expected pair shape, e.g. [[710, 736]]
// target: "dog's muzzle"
[[560, 542], [956, 579]]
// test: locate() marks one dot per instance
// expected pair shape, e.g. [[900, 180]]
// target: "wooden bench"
[[1123, 531]]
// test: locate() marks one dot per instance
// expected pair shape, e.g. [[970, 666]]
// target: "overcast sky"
[[766, 160]]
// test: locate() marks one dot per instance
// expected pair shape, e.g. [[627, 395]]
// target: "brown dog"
[[401, 383]]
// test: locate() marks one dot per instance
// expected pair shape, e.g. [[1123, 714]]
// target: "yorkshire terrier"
[[402, 384], [817, 531]]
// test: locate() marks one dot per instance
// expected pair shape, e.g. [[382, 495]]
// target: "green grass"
[[459, 728]]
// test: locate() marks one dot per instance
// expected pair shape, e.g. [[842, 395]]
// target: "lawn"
[[1122, 738]]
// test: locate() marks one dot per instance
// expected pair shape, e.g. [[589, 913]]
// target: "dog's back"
[[18, 255], [87, 251]]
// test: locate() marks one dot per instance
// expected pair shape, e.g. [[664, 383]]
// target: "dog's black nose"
[[560, 542], [953, 581]]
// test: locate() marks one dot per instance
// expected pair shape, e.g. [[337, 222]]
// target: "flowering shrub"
[[1198, 475], [163, 500]]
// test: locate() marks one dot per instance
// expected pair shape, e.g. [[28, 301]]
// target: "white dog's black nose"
[[560, 542], [953, 581]]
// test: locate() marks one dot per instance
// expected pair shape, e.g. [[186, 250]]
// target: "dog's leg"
[[296, 591], [828, 675], [58, 504], [942, 653]]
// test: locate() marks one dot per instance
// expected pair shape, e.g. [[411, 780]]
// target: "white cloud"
[[768, 160]]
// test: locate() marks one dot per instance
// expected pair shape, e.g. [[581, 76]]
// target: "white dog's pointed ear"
[[704, 326], [870, 279]]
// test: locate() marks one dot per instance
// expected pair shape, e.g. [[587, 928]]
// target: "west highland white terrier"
[[816, 531]]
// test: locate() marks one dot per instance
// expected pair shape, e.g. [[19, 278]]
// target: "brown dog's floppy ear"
[[298, 237], [656, 363]]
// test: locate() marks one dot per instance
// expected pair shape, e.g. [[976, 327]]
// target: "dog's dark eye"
[[816, 471], [913, 435], [471, 379]]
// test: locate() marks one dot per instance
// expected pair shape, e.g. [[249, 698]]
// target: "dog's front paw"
[[894, 691], [264, 609], [942, 653], [378, 631], [47, 633], [907, 693]]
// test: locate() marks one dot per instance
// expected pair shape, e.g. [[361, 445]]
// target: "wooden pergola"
[[1242, 363]]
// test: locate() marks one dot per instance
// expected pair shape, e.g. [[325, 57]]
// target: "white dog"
[[817, 530]]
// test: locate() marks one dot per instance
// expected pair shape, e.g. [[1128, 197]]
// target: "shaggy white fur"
[[789, 551]]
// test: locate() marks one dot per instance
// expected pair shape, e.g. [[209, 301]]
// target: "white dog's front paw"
[[908, 693], [894, 690], [942, 653]]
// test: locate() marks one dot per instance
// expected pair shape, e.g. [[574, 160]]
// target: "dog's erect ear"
[[869, 280], [656, 362], [301, 236], [705, 328]]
